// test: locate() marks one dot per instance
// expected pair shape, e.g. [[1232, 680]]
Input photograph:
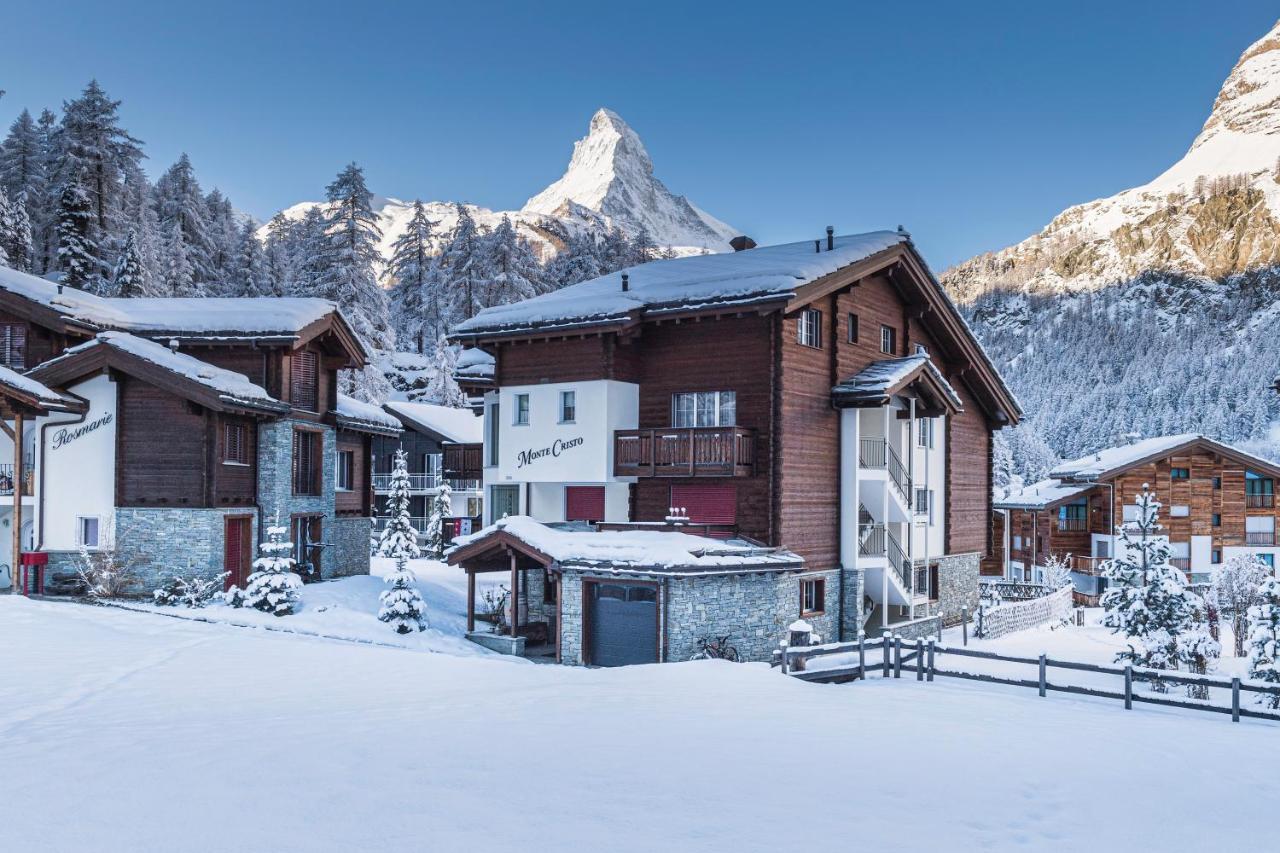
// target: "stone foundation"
[[957, 586], [349, 536]]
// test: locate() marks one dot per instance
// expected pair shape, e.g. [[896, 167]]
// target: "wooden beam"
[[515, 591], [8, 430], [471, 601], [17, 501]]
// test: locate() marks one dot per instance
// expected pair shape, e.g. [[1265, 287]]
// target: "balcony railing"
[[1258, 537], [463, 461], [1259, 501], [1183, 563], [1073, 525], [878, 453], [684, 452], [7, 483], [425, 482], [875, 540]]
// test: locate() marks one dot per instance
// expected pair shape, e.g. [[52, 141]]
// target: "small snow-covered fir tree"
[[441, 509], [402, 604], [1235, 589], [399, 536], [129, 278], [1263, 644], [77, 251], [273, 586]]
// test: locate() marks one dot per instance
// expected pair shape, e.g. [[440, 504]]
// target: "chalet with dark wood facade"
[[200, 421], [1216, 502], [821, 397]]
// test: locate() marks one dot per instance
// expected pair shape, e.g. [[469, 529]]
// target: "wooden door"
[[237, 551]]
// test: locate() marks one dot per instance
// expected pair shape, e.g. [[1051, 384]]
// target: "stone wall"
[[160, 543], [854, 592], [349, 536], [571, 613], [275, 472], [957, 586]]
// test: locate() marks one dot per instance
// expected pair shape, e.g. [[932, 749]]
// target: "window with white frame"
[[87, 531], [888, 339], [521, 417], [1130, 513], [922, 501], [568, 407], [1179, 511], [704, 409], [345, 462], [1017, 543], [809, 328], [924, 432]]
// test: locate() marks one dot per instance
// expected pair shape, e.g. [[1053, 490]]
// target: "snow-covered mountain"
[[1213, 213], [609, 182]]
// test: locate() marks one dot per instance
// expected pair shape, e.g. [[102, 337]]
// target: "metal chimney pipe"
[[817, 245], [626, 282], [831, 238]]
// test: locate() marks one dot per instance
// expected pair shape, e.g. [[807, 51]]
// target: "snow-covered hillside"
[[609, 183]]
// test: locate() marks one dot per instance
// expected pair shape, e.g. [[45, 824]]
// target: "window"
[[235, 444], [87, 531], [813, 595], [853, 328], [1215, 556], [924, 432], [1217, 519], [522, 410], [474, 507], [1017, 543], [1259, 491], [1269, 559], [305, 381], [704, 408], [492, 443], [921, 349], [1179, 511], [1217, 482], [346, 467], [306, 462], [809, 328], [1130, 513], [1101, 548], [888, 339], [1180, 473], [1073, 516], [568, 407], [13, 345], [922, 501]]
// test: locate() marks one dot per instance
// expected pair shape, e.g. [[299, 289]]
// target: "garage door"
[[623, 624], [584, 503], [707, 504]]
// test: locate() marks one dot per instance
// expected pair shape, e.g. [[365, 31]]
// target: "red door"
[[584, 503], [237, 559], [707, 504]]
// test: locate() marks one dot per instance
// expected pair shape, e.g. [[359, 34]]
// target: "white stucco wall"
[[79, 467]]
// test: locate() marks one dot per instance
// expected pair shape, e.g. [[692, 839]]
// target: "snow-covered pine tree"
[[278, 255], [250, 274], [15, 233], [461, 264], [44, 217], [179, 274], [1263, 644], [351, 259], [415, 307], [224, 245], [399, 536], [578, 261], [441, 509], [21, 166], [1234, 589], [180, 204], [129, 278], [512, 273], [273, 586], [77, 251], [441, 387]]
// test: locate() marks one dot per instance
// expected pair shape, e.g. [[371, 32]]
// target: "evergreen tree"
[[224, 245], [442, 388], [402, 605], [180, 203], [179, 278], [95, 150], [250, 276], [22, 168], [15, 233], [77, 251], [44, 214], [461, 273], [416, 308], [278, 255], [511, 272], [350, 259], [1264, 639], [399, 536], [579, 261], [441, 509], [129, 279], [273, 586], [1235, 589]]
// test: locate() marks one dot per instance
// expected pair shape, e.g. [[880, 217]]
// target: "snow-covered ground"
[[129, 731]]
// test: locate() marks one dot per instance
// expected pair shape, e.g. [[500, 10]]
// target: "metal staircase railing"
[[879, 453]]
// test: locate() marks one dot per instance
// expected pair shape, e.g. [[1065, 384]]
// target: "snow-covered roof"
[[230, 387], [366, 417], [637, 551], [1103, 463], [474, 363], [1042, 495], [753, 275], [460, 426], [880, 378], [28, 387]]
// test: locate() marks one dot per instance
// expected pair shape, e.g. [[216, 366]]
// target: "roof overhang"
[[924, 379]]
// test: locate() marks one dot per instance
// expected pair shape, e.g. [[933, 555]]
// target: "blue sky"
[[970, 123]]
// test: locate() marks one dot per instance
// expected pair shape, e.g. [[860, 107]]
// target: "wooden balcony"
[[1073, 525], [463, 461], [1260, 501], [684, 452]]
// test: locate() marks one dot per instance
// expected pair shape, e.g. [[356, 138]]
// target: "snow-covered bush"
[[194, 591], [104, 573], [1057, 572], [1235, 589], [1263, 644], [273, 587], [402, 605], [441, 509]]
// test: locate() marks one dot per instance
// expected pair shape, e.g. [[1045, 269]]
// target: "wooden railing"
[[1087, 565], [1259, 501], [684, 452], [463, 461]]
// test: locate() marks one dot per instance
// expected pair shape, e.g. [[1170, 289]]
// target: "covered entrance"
[[621, 621]]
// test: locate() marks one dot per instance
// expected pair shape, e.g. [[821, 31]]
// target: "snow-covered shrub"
[[233, 597], [194, 591], [1235, 589], [104, 573], [273, 587], [1263, 644], [1057, 572]]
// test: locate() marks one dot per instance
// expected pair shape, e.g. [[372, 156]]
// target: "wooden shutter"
[[305, 378], [707, 504], [584, 503]]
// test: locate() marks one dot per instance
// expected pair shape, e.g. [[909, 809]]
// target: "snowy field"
[[126, 731]]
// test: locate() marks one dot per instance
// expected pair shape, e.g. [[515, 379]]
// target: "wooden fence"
[[928, 658]]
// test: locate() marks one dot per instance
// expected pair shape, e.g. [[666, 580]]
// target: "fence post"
[[884, 644], [930, 676], [964, 622], [783, 648], [1042, 674], [862, 655], [1235, 700], [919, 658], [897, 656], [940, 620], [1128, 688]]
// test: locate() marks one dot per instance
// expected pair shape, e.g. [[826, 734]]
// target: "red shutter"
[[707, 504], [584, 503]]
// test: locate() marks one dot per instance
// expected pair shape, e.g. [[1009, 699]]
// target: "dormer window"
[[13, 346]]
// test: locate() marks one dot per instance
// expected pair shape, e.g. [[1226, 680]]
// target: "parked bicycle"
[[715, 648]]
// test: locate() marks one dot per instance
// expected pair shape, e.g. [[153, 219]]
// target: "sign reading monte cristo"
[[524, 457]]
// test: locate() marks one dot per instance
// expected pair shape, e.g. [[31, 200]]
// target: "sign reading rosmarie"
[[62, 437]]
